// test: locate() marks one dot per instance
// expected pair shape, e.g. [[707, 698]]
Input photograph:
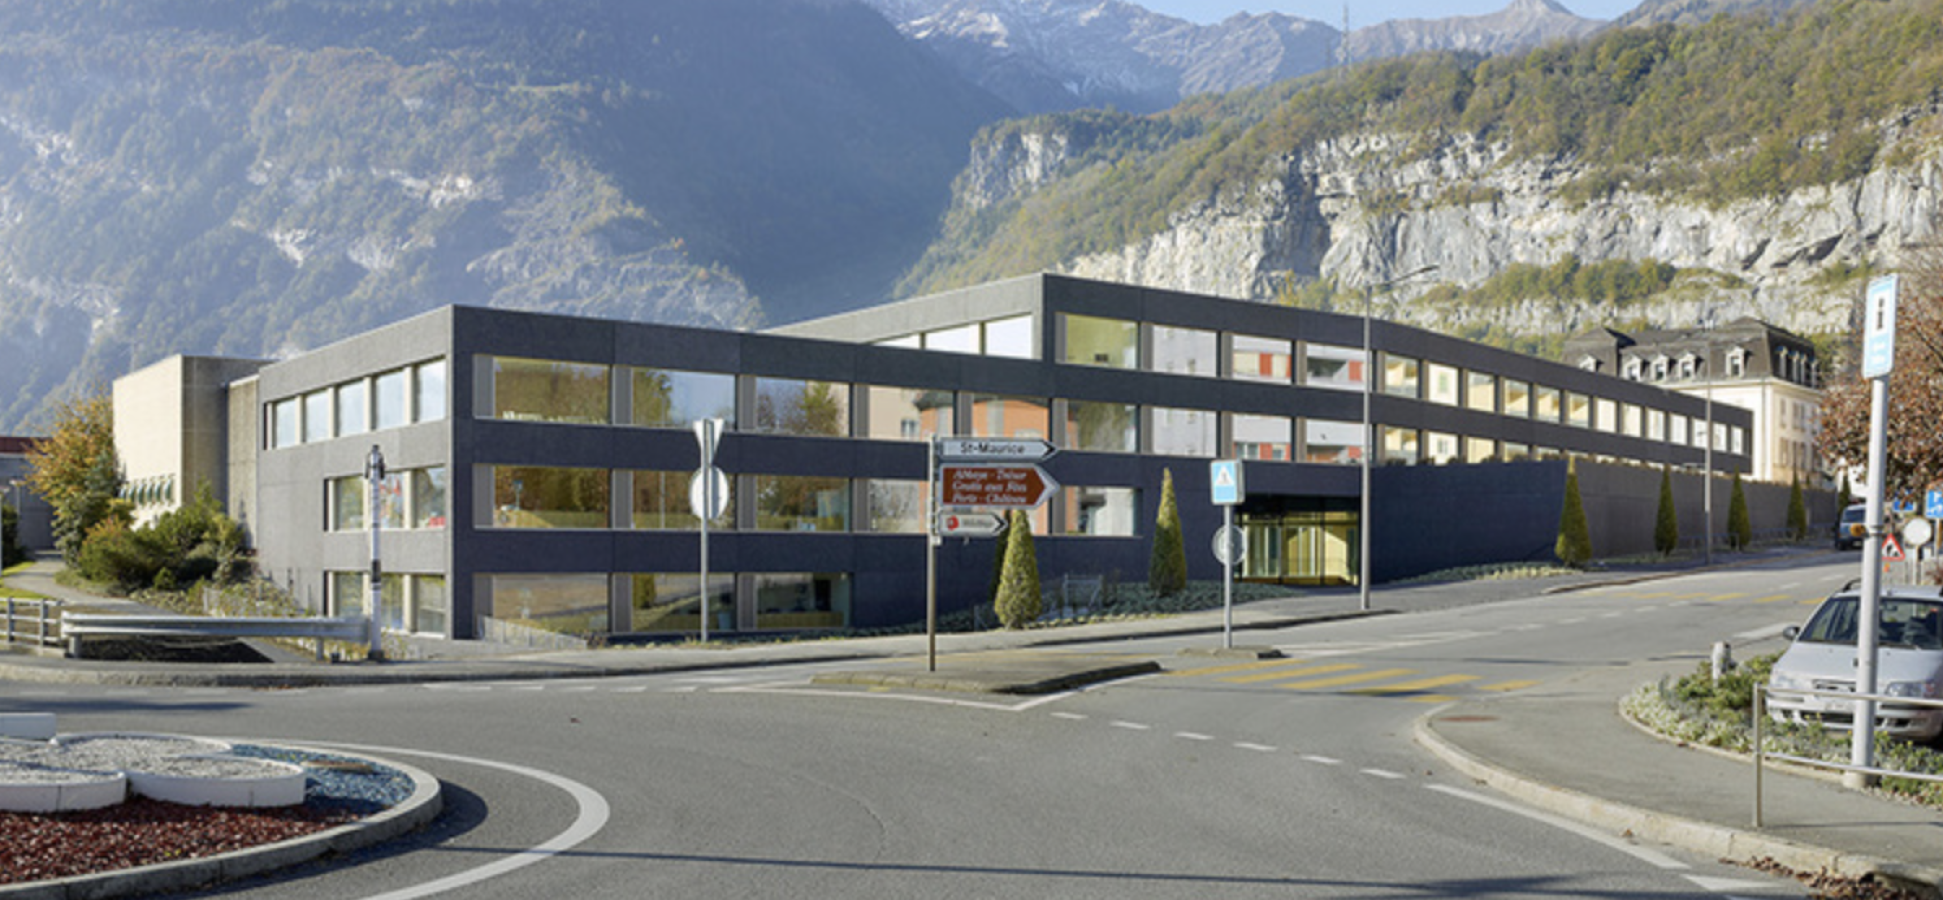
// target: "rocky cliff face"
[[1361, 210], [1525, 23]]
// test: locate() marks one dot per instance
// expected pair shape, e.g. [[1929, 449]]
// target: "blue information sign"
[[1879, 328], [1224, 482], [1933, 505]]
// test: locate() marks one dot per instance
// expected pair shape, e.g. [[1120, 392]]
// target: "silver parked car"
[[1909, 662]]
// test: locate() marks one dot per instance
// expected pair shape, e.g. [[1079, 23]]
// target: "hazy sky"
[[1367, 12]]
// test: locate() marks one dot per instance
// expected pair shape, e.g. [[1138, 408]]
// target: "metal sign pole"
[[374, 476], [931, 540], [1228, 579], [1878, 360]]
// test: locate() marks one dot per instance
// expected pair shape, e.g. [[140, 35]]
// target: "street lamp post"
[[1369, 435], [1707, 479]]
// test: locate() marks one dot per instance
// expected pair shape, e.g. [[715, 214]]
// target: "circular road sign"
[[1916, 533], [1230, 545]]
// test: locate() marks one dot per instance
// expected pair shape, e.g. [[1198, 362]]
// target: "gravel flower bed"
[[34, 847]]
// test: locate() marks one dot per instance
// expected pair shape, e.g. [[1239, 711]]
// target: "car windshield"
[[1917, 624]]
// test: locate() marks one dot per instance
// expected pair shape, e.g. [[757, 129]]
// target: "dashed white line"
[[1323, 760], [460, 688], [1070, 716], [1131, 726], [1193, 736], [1384, 773], [1258, 748], [684, 689], [631, 690]]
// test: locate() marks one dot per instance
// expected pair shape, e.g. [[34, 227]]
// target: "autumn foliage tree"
[[1913, 457], [76, 470]]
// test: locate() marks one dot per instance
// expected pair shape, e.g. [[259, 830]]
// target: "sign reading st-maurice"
[[1005, 487]]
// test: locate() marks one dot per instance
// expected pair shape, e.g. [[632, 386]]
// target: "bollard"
[[1723, 660]]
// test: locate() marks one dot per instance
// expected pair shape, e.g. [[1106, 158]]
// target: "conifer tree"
[[1666, 527], [1167, 568], [1797, 512], [1740, 529], [1018, 603], [1574, 547]]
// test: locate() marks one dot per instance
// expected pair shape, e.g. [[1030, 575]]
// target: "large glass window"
[[1481, 391], [995, 415], [1676, 431], [541, 497], [285, 423], [1186, 351], [1440, 449], [1401, 446], [1014, 337], [1655, 425], [1334, 443], [908, 414], [1093, 341], [428, 497], [429, 614], [1578, 410], [391, 602], [1605, 415], [1517, 398], [1442, 383], [347, 496], [1185, 432], [1101, 511], [1327, 366], [1516, 452], [1102, 427], [667, 398], [896, 507], [1632, 422], [351, 409], [1401, 376], [1480, 450], [539, 390], [661, 502], [564, 603], [672, 601], [1262, 437], [431, 391], [802, 503], [1547, 403], [392, 399], [1260, 359], [317, 416], [797, 600], [348, 596], [961, 339], [788, 406]]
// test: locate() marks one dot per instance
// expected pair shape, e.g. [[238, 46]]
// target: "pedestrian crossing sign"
[[1892, 549], [1224, 482]]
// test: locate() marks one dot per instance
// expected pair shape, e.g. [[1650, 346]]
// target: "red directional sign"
[[1005, 487]]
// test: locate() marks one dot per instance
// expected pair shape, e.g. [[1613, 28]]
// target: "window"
[[1401, 446], [1632, 421], [347, 496], [909, 342], [1184, 432], [907, 414], [1260, 359], [285, 423], [391, 399], [1517, 398], [428, 604], [539, 497], [1546, 404], [661, 502], [788, 406], [896, 507], [1262, 437], [428, 497], [317, 416], [672, 601], [391, 602], [1605, 415], [996, 415], [1014, 337], [1440, 449], [667, 398], [1401, 376], [348, 596], [1515, 452], [1480, 450], [1659, 368], [1738, 440], [1578, 410], [802, 600], [1101, 511], [1736, 363], [1676, 430], [1326, 366], [351, 409], [1102, 427], [961, 339], [431, 391], [1093, 341], [1655, 425], [802, 503], [564, 603], [536, 390], [1632, 369], [1481, 392], [1185, 351], [1333, 443], [1443, 387]]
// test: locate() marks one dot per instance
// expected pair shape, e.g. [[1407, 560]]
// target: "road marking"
[[1070, 716], [1651, 857], [1514, 685], [1258, 748], [1759, 634], [684, 689], [1290, 673], [460, 688], [630, 690], [1238, 667], [1131, 726], [1340, 680], [1322, 760], [1427, 698], [1772, 598], [1419, 685], [1723, 885], [1732, 595], [1193, 736], [577, 689], [1611, 615], [592, 817], [1384, 773], [1529, 626], [1575, 620]]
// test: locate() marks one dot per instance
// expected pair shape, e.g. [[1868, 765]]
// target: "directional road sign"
[[1023, 450], [971, 524], [1933, 504], [1005, 487]]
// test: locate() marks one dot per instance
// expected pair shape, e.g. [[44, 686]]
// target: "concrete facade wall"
[[172, 430]]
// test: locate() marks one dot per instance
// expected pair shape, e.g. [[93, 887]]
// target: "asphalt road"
[[1221, 778]]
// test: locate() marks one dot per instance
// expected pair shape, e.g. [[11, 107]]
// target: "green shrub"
[[1167, 569], [1666, 528], [1574, 547], [1018, 603], [1797, 512], [1740, 529]]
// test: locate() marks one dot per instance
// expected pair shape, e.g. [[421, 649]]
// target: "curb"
[[421, 807], [1704, 838], [974, 684]]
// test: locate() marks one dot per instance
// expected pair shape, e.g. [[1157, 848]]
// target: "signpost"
[[966, 473], [1225, 487], [1878, 360], [994, 449], [972, 524], [1933, 505], [708, 497], [1001, 486]]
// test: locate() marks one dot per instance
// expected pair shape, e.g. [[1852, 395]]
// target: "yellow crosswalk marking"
[[1421, 684], [1652, 594], [1428, 698], [1771, 598], [1289, 673], [1237, 667], [1728, 596], [1339, 680], [1507, 686]]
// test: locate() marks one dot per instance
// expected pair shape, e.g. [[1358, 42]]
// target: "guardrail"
[[1761, 692], [41, 628], [76, 626]]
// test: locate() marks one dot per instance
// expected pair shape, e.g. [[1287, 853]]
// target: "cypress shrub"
[[1666, 527], [1740, 529], [1018, 603], [1167, 568], [1574, 547], [1797, 512]]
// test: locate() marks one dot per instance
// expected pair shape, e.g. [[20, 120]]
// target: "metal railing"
[[41, 628], [75, 626], [1761, 692]]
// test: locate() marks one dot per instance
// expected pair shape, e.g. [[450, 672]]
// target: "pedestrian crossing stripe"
[[1417, 686], [1238, 667], [1730, 596], [1505, 686], [1771, 598], [1283, 674], [1340, 680]]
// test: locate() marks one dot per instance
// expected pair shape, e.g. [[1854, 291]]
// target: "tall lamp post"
[[1707, 477], [1369, 434]]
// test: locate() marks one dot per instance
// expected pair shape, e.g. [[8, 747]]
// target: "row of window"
[[407, 498], [390, 399], [586, 603], [406, 602]]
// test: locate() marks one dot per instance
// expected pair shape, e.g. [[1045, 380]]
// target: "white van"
[[1909, 662]]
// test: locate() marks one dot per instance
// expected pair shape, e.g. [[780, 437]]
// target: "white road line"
[[630, 690], [592, 818], [1130, 726], [1070, 716], [1193, 736], [1258, 748], [1324, 760], [1384, 773], [685, 689], [1651, 857], [1723, 885], [1573, 621], [459, 688], [577, 689], [1611, 615]]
